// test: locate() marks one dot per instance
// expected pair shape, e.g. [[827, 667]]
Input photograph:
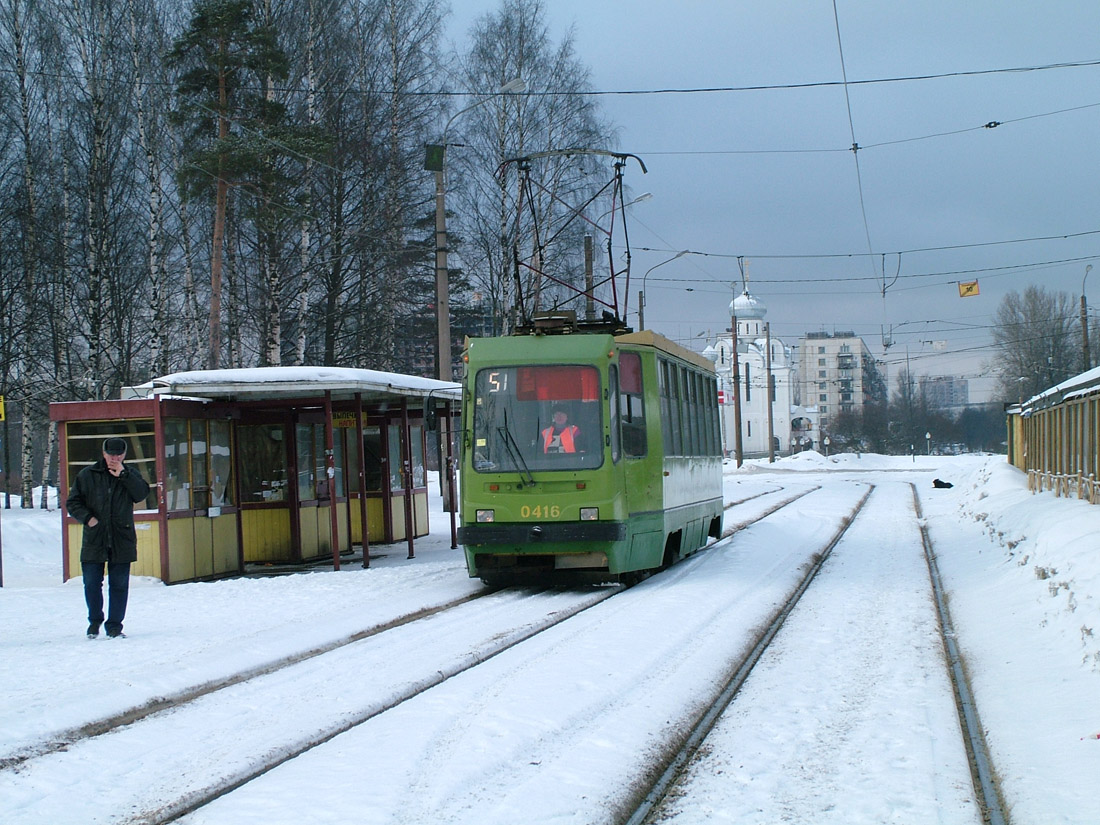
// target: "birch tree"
[[514, 42]]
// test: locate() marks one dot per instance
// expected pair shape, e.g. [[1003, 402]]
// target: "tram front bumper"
[[477, 535]]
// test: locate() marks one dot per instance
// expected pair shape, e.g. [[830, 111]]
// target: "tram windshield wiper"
[[514, 450]]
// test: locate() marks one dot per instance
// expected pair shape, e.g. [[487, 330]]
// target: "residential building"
[[835, 371], [945, 391]]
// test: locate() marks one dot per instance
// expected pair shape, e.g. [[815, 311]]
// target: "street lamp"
[[1085, 322], [928, 442], [641, 295], [642, 198], [825, 441], [435, 160]]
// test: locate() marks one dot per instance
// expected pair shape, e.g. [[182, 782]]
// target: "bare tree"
[[513, 43], [1037, 337]]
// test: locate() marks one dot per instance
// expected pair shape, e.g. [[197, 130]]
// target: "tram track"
[[676, 758], [170, 813], [65, 739], [198, 786], [983, 775], [673, 767]]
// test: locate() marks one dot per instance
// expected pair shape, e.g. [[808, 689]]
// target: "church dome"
[[746, 307]]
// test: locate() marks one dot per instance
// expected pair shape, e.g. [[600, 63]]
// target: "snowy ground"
[[1023, 573]]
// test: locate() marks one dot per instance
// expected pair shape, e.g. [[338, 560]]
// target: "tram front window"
[[537, 418]]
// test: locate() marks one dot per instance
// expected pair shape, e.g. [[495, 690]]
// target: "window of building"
[[821, 350], [823, 397], [821, 373], [821, 362]]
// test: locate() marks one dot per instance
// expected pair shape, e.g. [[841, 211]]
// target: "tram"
[[586, 457]]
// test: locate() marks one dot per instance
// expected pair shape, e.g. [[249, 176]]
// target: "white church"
[[793, 428]]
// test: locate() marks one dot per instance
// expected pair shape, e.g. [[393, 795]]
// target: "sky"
[[847, 718], [767, 176]]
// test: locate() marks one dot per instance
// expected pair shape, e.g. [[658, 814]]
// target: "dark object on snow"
[[942, 485]]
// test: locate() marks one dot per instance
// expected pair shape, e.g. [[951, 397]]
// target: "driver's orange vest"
[[567, 434]]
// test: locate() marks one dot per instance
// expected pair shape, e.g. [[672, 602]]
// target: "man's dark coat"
[[96, 492]]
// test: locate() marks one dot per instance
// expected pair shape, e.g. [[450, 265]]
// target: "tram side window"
[[613, 398], [632, 404]]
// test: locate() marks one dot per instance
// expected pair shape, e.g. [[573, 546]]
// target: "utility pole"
[[1085, 323], [770, 389], [738, 454]]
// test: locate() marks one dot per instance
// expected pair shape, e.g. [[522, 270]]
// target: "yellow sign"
[[345, 419], [968, 288], [1, 408]]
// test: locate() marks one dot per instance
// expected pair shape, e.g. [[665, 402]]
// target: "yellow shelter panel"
[[420, 514], [342, 522], [374, 518], [266, 535], [181, 549], [204, 547], [76, 533], [307, 518], [148, 550], [224, 531]]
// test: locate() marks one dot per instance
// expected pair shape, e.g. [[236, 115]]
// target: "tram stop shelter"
[[265, 466]]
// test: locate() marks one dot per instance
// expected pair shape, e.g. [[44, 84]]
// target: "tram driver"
[[561, 436]]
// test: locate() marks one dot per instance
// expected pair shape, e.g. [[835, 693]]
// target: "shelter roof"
[[268, 383]]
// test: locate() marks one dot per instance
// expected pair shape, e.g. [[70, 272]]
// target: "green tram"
[[586, 458]]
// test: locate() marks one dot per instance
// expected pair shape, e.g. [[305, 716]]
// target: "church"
[[792, 428]]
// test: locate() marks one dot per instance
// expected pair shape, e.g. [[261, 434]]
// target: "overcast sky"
[[769, 174]]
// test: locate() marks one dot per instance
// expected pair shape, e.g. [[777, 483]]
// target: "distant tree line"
[[237, 183]]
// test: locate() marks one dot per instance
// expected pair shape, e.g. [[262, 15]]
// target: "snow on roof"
[[290, 382], [1078, 386]]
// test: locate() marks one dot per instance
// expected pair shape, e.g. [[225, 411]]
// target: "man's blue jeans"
[[118, 590]]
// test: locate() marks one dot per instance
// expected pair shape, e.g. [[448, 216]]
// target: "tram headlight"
[[590, 514], [484, 516]]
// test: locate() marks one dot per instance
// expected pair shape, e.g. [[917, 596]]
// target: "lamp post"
[[435, 160], [641, 295], [825, 441], [642, 198], [928, 442], [1085, 322]]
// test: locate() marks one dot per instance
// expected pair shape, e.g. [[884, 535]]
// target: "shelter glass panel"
[[304, 442], [263, 462], [397, 459], [372, 452], [221, 464], [200, 477], [84, 444], [338, 456], [417, 435], [177, 482]]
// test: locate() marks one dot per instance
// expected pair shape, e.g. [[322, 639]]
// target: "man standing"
[[103, 497]]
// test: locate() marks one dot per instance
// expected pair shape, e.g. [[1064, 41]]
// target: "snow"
[[847, 718]]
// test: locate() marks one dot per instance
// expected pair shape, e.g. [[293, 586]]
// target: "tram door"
[[642, 490]]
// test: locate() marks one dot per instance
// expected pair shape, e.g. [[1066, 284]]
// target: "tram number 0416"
[[540, 511]]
